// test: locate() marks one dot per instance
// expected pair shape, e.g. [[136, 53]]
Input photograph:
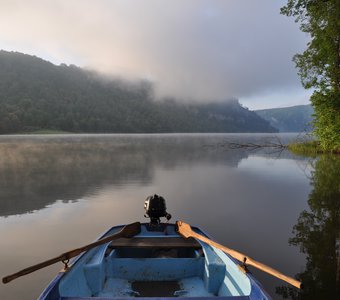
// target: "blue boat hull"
[[154, 263]]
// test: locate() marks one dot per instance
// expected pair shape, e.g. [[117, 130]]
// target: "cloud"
[[194, 49]]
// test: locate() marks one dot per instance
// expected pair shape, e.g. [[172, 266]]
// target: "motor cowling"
[[155, 208]]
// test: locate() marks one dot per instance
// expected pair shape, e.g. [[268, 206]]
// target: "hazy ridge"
[[289, 119], [36, 94]]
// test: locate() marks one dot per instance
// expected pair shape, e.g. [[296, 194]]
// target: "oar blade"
[[184, 229], [132, 229]]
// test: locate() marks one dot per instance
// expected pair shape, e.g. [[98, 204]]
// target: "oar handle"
[[127, 231], [185, 230]]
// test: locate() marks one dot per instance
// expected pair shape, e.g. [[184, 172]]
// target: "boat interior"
[[154, 263]]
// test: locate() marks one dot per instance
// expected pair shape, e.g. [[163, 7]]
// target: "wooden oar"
[[127, 231], [185, 230]]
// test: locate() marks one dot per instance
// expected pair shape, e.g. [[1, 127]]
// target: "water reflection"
[[37, 172], [317, 234]]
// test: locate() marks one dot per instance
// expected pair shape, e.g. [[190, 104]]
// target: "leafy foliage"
[[327, 122], [319, 64], [35, 94]]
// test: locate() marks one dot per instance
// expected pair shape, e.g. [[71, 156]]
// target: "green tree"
[[319, 64]]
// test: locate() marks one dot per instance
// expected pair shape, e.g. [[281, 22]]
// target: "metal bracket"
[[243, 267], [65, 262]]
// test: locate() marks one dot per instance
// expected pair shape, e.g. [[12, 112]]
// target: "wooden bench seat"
[[155, 242]]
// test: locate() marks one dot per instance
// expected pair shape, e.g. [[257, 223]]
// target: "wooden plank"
[[155, 242]]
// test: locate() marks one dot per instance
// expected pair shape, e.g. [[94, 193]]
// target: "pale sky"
[[198, 50]]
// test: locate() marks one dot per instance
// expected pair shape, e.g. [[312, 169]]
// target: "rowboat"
[[161, 260], [154, 264]]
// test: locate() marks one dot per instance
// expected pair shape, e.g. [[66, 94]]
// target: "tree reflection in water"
[[317, 233]]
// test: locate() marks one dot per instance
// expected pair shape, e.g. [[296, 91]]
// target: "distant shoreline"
[[51, 132], [307, 148], [42, 131]]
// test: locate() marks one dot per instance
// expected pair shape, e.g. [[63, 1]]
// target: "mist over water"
[[60, 192]]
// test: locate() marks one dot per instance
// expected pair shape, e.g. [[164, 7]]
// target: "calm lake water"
[[60, 192]]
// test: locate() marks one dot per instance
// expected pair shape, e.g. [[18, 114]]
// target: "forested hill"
[[289, 119], [35, 94]]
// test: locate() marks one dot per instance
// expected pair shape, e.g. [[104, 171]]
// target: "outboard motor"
[[155, 209]]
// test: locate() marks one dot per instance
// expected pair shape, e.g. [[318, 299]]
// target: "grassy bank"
[[310, 148]]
